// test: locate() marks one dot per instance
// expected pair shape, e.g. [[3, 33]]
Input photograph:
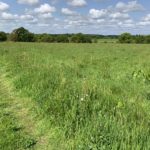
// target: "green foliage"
[[95, 40], [3, 36], [96, 95], [62, 39], [81, 38], [45, 38], [21, 35], [147, 39], [138, 39], [125, 38]]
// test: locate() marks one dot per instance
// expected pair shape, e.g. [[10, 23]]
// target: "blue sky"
[[73, 16]]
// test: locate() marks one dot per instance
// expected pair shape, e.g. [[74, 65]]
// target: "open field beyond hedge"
[[74, 96]]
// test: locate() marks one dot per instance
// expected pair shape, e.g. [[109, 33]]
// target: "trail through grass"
[[19, 128], [14, 120]]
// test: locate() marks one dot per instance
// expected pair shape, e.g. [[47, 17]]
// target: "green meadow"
[[74, 96]]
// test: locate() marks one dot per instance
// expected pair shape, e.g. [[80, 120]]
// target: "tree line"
[[138, 39], [23, 35]]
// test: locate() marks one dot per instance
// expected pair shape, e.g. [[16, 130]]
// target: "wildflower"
[[82, 99]]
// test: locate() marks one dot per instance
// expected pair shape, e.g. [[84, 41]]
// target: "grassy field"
[[74, 96]]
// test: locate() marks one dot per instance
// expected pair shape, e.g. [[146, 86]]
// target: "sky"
[[74, 16]]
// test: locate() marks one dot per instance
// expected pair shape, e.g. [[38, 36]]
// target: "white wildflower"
[[82, 99]]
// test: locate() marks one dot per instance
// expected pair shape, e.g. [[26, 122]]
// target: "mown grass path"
[[18, 126]]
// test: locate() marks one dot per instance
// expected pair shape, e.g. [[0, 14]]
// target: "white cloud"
[[3, 6], [77, 3], [119, 15], [30, 2], [45, 8], [145, 20], [129, 21], [94, 13], [34, 21], [67, 11], [8, 16], [101, 21], [26, 17], [45, 16], [147, 17], [144, 23], [129, 7]]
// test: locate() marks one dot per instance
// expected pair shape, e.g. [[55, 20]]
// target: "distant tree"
[[139, 39], [147, 39], [88, 39], [95, 40], [74, 39], [125, 38], [46, 38], [22, 35], [62, 39], [3, 36], [81, 38]]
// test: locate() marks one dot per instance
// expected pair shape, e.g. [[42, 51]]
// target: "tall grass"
[[96, 95]]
